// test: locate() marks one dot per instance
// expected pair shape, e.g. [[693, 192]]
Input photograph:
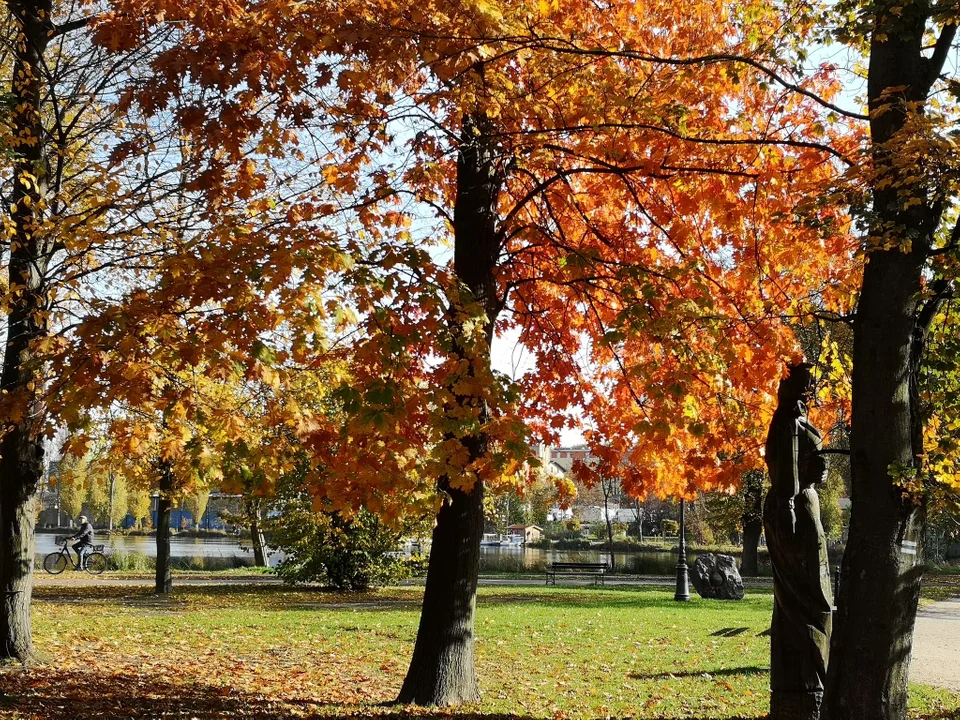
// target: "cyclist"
[[84, 538]]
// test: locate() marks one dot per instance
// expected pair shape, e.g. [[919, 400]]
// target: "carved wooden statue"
[[800, 630]]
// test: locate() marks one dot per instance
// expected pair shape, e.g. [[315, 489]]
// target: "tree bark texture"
[[164, 576], [23, 410], [442, 668], [881, 571], [879, 589]]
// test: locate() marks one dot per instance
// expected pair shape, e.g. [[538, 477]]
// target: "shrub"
[[123, 560], [349, 554], [210, 563], [572, 544]]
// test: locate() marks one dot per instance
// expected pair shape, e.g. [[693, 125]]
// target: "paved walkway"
[[936, 645]]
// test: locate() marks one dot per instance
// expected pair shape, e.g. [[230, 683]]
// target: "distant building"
[[564, 457], [530, 533], [617, 514], [222, 512], [558, 514]]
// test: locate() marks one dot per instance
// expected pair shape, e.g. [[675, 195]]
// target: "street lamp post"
[[683, 582]]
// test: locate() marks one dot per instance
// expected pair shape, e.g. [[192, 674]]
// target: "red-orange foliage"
[[654, 253]]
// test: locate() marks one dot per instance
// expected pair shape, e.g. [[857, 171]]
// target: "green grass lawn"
[[270, 652]]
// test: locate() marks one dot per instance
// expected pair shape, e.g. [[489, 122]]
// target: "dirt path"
[[936, 645], [75, 579]]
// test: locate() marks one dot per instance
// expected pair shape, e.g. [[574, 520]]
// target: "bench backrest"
[[579, 566]]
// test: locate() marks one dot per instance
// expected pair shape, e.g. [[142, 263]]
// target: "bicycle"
[[56, 562]]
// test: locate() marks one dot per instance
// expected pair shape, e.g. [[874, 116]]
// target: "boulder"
[[716, 576]]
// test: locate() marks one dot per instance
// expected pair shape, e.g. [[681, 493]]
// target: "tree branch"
[[71, 25], [566, 47], [939, 57]]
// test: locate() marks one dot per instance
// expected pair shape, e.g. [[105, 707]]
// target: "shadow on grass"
[[722, 672], [262, 597], [267, 597], [729, 632], [637, 597], [54, 694]]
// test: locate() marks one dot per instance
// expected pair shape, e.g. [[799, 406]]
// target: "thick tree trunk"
[[16, 550], [877, 600], [22, 408], [164, 576], [442, 668]]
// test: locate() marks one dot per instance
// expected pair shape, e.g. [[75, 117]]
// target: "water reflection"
[[502, 559], [653, 562], [180, 547]]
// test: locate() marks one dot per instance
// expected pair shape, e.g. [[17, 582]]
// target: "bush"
[[349, 554], [122, 560], [559, 531], [210, 563], [573, 544]]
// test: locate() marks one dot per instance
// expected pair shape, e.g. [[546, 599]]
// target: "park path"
[[936, 646]]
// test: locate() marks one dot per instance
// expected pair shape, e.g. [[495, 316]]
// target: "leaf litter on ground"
[[272, 652]]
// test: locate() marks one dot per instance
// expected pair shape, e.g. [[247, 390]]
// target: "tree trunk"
[[16, 549], [879, 590], [442, 668], [750, 560], [880, 584], [113, 484], [164, 575], [607, 489], [752, 524], [21, 449], [256, 534]]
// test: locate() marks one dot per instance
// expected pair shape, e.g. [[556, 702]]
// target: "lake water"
[[492, 559], [184, 547], [505, 559]]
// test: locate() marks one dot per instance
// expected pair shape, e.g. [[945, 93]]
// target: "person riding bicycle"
[[85, 539]]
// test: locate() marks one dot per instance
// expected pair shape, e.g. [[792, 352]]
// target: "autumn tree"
[[28, 253], [637, 242], [71, 225], [189, 430], [145, 232], [546, 235], [73, 492], [138, 505], [908, 221], [902, 189], [196, 503]]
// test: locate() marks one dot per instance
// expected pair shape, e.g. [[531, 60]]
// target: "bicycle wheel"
[[55, 563], [96, 563]]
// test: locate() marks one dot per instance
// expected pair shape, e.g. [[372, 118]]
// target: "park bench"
[[577, 569]]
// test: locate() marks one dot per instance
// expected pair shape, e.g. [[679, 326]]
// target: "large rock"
[[716, 576]]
